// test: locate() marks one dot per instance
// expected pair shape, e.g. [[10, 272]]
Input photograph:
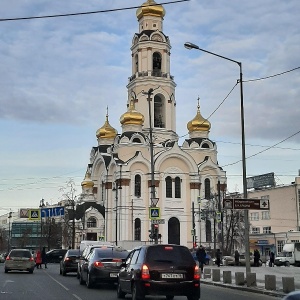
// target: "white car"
[[20, 260]]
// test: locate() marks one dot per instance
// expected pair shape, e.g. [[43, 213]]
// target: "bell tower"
[[150, 53]]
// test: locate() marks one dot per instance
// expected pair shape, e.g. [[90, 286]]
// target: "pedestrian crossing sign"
[[154, 213], [34, 214]]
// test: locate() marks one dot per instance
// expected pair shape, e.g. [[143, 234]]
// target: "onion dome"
[[132, 116], [87, 182], [106, 131], [198, 123], [150, 9]]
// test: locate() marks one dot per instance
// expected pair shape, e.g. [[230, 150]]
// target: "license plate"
[[171, 275], [113, 275]]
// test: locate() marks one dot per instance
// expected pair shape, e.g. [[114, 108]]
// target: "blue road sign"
[[57, 211], [154, 213]]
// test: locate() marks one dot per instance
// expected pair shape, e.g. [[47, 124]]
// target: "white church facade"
[[143, 165]]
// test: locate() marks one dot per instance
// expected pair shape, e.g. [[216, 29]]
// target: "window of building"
[[255, 230], [136, 63], [156, 61], [265, 215], [177, 187], [267, 229], [207, 189], [208, 231], [136, 140], [158, 112], [137, 229], [254, 216], [205, 145], [137, 185], [168, 187], [91, 222], [280, 245]]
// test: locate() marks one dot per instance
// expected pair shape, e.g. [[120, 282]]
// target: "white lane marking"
[[58, 282], [77, 297]]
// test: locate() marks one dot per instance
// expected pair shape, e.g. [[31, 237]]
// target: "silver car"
[[19, 259]]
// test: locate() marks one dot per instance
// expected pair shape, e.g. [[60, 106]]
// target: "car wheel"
[[64, 272], [6, 270], [120, 293], [134, 293], [169, 297], [89, 282], [287, 264], [193, 297], [60, 272], [77, 275]]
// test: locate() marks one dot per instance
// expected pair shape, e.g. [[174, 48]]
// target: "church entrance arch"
[[174, 231]]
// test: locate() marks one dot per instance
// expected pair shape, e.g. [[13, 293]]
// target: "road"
[[47, 284]]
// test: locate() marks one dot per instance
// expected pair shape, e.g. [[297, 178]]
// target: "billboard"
[[257, 182]]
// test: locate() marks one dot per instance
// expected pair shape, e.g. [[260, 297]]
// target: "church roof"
[[198, 141]]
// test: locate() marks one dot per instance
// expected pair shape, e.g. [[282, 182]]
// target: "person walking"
[[38, 259], [218, 257], [256, 258], [201, 256], [272, 259], [44, 257], [236, 258]]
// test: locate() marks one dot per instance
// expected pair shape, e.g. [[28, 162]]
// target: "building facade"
[[271, 229], [144, 166]]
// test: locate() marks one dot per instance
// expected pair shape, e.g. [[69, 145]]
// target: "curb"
[[247, 289]]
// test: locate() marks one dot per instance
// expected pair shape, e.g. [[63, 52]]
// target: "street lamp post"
[[9, 234], [190, 46]]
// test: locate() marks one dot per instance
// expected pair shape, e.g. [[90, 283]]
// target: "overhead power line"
[[86, 13]]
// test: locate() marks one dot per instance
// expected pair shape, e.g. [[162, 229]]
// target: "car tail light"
[[67, 258], [145, 272], [31, 259], [196, 273], [7, 258], [117, 260], [98, 264]]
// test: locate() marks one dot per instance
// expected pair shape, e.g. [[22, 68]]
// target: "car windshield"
[[285, 254], [20, 253], [169, 254], [110, 253]]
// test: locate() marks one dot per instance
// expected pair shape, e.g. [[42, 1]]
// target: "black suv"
[[55, 255], [168, 270]]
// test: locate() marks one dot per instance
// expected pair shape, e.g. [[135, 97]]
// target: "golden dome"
[[198, 123], [132, 116], [106, 131], [87, 182], [150, 9]]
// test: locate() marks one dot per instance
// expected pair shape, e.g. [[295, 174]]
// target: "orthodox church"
[[142, 174]]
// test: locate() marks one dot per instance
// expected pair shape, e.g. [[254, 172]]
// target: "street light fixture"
[[190, 46]]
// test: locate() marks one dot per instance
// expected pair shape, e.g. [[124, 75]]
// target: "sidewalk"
[[260, 272]]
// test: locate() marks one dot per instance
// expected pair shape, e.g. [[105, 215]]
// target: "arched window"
[[137, 185], [137, 229], [136, 58], [208, 231], [91, 222], [136, 140], [156, 62], [158, 112], [207, 189], [168, 187], [177, 187], [205, 145]]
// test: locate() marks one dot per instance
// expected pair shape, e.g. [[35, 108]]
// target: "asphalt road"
[[47, 284]]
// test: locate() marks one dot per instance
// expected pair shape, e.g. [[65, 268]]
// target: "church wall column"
[[149, 59]]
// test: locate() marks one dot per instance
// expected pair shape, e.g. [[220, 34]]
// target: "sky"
[[58, 75]]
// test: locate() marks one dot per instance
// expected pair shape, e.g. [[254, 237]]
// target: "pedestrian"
[[256, 258], [38, 259], [44, 257], [272, 259], [218, 257], [201, 256], [237, 258]]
